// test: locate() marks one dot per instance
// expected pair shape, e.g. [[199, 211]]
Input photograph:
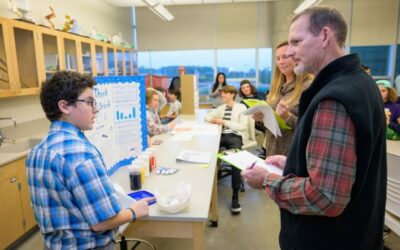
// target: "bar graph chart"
[[125, 113]]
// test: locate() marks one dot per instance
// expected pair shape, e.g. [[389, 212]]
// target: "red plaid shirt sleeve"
[[331, 163]]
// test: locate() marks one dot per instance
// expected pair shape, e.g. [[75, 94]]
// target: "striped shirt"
[[331, 163], [227, 117], [70, 189]]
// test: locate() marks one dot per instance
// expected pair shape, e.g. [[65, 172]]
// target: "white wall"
[[23, 109], [105, 17], [239, 25]]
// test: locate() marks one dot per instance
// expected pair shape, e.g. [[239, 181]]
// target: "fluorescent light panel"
[[159, 10], [306, 4]]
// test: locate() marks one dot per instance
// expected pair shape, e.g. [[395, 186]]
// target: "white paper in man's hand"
[[269, 119]]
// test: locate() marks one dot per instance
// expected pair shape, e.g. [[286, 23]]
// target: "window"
[[376, 57], [264, 69], [237, 64]]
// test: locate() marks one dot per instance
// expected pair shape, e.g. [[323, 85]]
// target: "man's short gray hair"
[[320, 17]]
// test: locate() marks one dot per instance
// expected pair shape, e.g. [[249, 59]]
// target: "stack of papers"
[[272, 121], [190, 156], [244, 159]]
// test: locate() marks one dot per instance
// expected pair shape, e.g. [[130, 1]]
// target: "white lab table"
[[392, 217], [190, 222]]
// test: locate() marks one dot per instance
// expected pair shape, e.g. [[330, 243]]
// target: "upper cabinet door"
[[70, 49], [127, 62], [51, 55], [6, 89], [100, 63], [87, 62], [120, 63], [24, 44], [111, 61]]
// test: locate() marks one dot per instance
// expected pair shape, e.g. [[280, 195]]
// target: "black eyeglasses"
[[92, 103]]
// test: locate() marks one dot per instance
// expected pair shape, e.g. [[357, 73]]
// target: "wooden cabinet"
[[27, 210], [6, 77], [51, 57], [111, 58], [24, 45], [11, 218], [30, 54], [16, 214]]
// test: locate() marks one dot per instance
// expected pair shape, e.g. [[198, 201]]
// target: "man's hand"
[[277, 160], [255, 176]]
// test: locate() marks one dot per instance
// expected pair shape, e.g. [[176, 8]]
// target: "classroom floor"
[[257, 227]]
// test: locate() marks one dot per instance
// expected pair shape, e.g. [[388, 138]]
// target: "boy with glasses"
[[75, 204]]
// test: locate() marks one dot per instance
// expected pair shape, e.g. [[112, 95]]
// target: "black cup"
[[135, 180]]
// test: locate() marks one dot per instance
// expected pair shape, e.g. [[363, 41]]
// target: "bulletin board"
[[119, 132]]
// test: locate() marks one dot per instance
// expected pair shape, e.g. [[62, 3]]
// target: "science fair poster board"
[[120, 130]]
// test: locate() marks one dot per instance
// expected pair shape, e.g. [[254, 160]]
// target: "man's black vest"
[[360, 226]]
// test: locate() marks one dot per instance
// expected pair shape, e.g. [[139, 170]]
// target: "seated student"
[[75, 204], [234, 133], [154, 126], [162, 98], [389, 97], [391, 133], [248, 91], [175, 106]]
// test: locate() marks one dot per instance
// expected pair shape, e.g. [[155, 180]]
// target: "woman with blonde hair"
[[284, 96]]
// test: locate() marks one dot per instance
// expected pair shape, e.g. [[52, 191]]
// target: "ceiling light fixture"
[[159, 10], [306, 4]]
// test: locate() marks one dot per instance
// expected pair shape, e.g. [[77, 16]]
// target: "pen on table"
[[252, 165]]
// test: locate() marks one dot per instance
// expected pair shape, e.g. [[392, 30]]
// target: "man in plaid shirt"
[[74, 201], [333, 189]]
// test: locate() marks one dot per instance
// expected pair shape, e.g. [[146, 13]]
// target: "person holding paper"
[[75, 204], [333, 190], [284, 96], [154, 126], [234, 131]]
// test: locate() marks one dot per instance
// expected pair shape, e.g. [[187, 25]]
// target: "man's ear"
[[327, 36], [64, 107]]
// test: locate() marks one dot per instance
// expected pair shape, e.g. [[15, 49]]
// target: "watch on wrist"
[[133, 215]]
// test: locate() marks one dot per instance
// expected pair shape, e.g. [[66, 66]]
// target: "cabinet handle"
[[13, 179]]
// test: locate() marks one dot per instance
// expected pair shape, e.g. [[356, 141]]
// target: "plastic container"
[[174, 201]]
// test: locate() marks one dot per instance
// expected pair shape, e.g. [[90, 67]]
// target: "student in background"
[[284, 96], [391, 133], [248, 91], [220, 82], [389, 97], [75, 204], [175, 106], [162, 98], [234, 132], [154, 125]]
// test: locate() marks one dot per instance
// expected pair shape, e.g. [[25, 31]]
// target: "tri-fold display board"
[[120, 130]]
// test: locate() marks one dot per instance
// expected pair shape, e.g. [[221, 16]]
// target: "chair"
[[251, 142]]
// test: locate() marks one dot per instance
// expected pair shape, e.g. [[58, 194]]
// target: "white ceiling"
[[140, 3]]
